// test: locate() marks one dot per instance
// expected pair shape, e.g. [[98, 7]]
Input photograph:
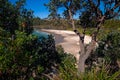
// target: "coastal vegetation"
[[91, 14], [64, 24], [108, 26], [26, 56]]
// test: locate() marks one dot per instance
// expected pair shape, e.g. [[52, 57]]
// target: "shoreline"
[[58, 38], [68, 40]]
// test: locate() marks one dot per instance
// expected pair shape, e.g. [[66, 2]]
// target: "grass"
[[70, 73]]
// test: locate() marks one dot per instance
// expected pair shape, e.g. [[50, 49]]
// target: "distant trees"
[[96, 17], [36, 21], [113, 23]]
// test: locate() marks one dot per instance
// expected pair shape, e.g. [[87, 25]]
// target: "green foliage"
[[23, 56], [51, 24], [37, 21], [8, 16], [15, 17], [87, 19], [53, 6], [112, 24], [49, 55], [110, 45], [25, 21], [102, 74], [27, 56], [18, 56], [108, 51], [68, 71], [109, 26], [68, 68]]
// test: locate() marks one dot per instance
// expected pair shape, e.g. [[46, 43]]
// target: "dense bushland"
[[26, 56], [107, 52], [15, 17], [108, 26], [103, 64], [52, 24], [23, 55]]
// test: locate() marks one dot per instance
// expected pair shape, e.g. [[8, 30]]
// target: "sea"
[[39, 33]]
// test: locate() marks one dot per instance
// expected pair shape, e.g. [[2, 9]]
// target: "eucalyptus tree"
[[71, 7], [93, 13], [96, 13], [53, 6]]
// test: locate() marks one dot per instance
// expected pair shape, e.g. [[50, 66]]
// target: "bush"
[[107, 52], [68, 71], [26, 56], [18, 56]]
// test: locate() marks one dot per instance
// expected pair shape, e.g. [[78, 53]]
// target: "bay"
[[39, 33]]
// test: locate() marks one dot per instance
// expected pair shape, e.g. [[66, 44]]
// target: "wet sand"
[[58, 38]]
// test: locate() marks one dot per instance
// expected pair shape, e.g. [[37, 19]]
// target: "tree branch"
[[90, 48], [112, 11], [95, 8]]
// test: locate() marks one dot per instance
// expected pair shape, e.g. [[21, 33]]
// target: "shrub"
[[26, 56], [107, 52], [68, 71], [18, 56]]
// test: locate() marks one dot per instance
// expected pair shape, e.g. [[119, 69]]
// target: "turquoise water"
[[40, 34]]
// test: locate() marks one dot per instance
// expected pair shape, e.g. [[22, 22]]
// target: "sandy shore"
[[68, 39]]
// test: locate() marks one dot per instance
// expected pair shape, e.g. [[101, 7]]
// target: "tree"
[[97, 14], [26, 19], [25, 56], [109, 50], [53, 6], [107, 53], [13, 15], [8, 16], [36, 21], [28, 56]]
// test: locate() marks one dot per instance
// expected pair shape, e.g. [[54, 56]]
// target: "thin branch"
[[83, 35], [71, 18], [111, 11], [98, 3], [90, 48], [116, 6], [95, 8]]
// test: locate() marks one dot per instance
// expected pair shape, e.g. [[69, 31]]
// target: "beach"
[[68, 40]]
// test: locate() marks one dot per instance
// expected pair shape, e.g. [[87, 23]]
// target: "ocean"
[[40, 33]]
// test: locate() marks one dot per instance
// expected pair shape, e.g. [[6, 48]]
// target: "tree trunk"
[[84, 55], [81, 63], [71, 18], [85, 52]]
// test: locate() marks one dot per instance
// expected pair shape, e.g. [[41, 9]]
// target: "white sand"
[[71, 41]]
